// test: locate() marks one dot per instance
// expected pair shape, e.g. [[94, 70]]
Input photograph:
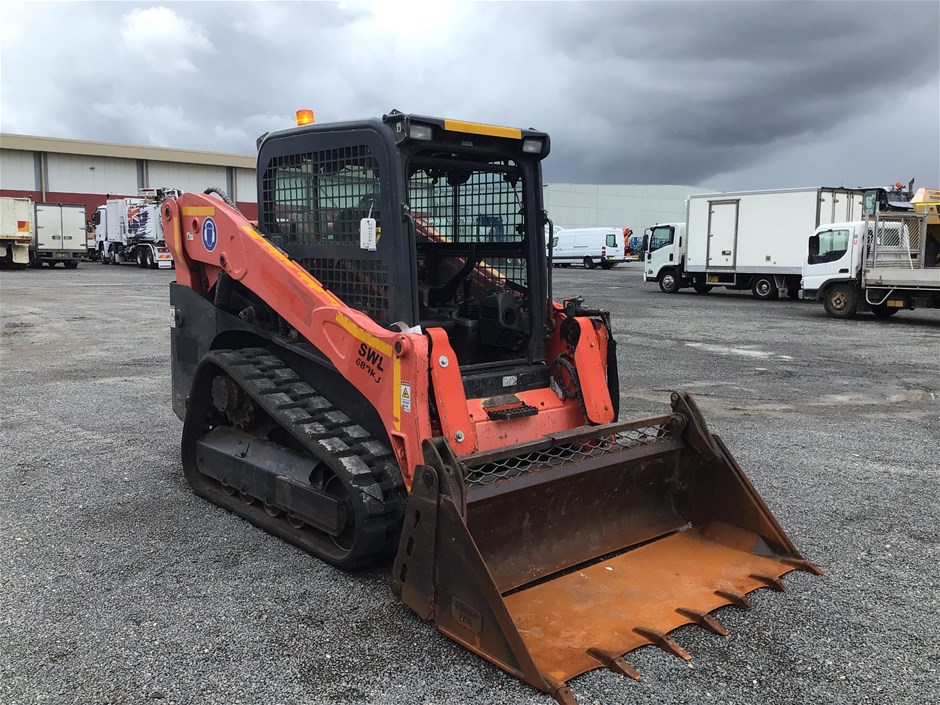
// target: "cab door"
[[829, 257]]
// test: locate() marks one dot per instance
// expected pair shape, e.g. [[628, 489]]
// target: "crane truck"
[[130, 230], [366, 371]]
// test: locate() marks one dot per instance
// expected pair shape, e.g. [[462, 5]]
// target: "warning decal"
[[406, 396]]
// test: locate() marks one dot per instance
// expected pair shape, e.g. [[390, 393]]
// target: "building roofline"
[[31, 143]]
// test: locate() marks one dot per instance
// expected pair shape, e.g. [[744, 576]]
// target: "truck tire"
[[883, 311], [702, 287], [141, 261], [149, 261], [841, 301], [71, 264], [607, 265], [589, 263], [765, 288], [669, 282]]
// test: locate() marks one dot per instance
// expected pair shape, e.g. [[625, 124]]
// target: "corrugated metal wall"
[[17, 170], [612, 205]]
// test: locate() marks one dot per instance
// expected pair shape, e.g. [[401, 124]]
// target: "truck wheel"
[[607, 265], [701, 288], [141, 261], [765, 288], [669, 282], [71, 264], [883, 311], [589, 263], [841, 301], [149, 262]]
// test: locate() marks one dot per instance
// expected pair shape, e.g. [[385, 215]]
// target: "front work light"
[[304, 117], [420, 132], [531, 146]]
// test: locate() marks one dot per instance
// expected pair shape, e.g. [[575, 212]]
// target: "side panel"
[[839, 206], [772, 232], [722, 234]]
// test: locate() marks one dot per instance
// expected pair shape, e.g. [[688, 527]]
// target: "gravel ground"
[[120, 586]]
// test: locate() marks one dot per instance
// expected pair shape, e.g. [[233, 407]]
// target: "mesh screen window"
[[319, 198]]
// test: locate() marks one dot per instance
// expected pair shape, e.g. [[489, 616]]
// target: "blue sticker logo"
[[210, 234]]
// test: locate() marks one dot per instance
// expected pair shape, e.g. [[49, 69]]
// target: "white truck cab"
[[665, 255], [881, 265]]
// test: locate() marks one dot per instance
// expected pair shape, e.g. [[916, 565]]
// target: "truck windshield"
[[660, 237], [828, 246]]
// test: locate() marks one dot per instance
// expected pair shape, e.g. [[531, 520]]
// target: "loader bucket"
[[559, 556]]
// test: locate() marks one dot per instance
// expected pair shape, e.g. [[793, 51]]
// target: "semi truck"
[[16, 218], [748, 240], [884, 263], [130, 230]]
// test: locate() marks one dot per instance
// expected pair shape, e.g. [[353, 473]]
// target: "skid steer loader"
[[378, 364]]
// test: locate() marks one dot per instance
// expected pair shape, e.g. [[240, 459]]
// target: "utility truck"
[[749, 240], [130, 230], [886, 262], [58, 235], [16, 216]]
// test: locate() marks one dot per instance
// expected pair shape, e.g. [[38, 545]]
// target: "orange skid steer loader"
[[379, 365]]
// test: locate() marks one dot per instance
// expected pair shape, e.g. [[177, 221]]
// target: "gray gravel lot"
[[118, 585]]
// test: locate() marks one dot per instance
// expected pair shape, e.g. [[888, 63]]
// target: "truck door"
[[722, 234], [73, 229], [48, 227]]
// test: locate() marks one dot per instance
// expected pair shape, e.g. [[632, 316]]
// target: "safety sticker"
[[406, 396], [210, 234], [172, 316]]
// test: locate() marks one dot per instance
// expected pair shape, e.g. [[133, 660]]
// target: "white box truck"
[[749, 240], [59, 235], [16, 218], [130, 230], [885, 263]]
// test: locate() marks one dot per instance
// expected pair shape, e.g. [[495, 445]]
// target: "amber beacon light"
[[304, 117]]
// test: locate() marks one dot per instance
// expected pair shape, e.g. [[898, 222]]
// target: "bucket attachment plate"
[[560, 556]]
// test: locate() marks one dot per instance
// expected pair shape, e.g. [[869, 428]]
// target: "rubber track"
[[332, 438]]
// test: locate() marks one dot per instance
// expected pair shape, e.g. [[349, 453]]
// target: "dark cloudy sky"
[[729, 95]]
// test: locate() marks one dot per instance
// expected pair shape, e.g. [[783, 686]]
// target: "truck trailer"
[[886, 262], [749, 240], [58, 235], [130, 230], [16, 217]]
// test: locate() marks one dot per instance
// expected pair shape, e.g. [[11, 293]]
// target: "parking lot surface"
[[120, 586]]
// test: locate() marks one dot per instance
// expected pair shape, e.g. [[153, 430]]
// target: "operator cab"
[[419, 222]]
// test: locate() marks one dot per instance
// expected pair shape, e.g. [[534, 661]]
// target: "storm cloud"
[[730, 95]]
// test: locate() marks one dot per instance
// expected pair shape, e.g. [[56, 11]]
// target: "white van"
[[588, 246]]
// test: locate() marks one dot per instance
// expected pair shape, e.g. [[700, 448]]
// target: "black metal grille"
[[466, 204], [362, 284], [563, 454], [486, 208], [319, 199]]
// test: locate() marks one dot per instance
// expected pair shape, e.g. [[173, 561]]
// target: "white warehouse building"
[[83, 172], [614, 205]]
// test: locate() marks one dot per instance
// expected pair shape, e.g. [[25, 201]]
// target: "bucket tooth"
[[561, 692], [770, 581], [615, 663], [802, 564], [663, 641], [704, 620], [735, 598]]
